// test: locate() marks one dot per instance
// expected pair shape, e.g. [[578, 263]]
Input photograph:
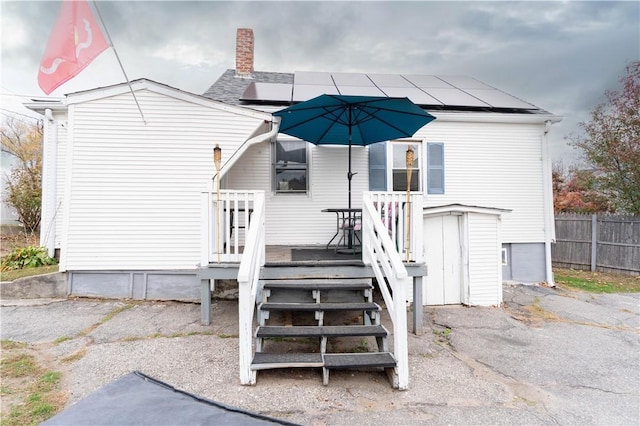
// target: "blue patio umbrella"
[[352, 120]]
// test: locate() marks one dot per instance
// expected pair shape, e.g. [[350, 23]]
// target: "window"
[[378, 167], [388, 167], [435, 168], [290, 166], [399, 166], [505, 259]]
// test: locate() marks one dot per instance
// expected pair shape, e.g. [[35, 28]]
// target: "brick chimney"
[[244, 52]]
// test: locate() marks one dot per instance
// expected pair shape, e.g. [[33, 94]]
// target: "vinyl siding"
[[298, 218], [486, 164], [135, 188], [495, 165]]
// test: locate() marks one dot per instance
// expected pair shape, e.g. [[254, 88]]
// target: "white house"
[[132, 209], [121, 202]]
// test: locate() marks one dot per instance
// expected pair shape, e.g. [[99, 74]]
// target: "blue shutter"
[[378, 167], [435, 168]]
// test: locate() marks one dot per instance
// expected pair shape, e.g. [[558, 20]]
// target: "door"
[[443, 254]]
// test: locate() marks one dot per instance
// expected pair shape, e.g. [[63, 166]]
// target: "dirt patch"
[[32, 384]]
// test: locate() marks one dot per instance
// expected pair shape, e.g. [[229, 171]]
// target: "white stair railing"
[[379, 251], [252, 261]]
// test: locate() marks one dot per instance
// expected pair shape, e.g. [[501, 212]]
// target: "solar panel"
[[414, 94], [499, 99], [389, 80], [455, 97], [360, 91], [425, 90], [311, 77], [427, 81], [279, 92], [351, 79], [304, 92], [464, 82]]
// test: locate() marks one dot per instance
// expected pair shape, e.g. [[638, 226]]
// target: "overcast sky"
[[560, 56]]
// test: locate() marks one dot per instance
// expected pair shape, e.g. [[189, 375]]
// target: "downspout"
[[49, 183], [235, 156], [549, 222]]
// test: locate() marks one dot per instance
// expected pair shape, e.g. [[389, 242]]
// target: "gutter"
[[494, 117], [49, 183], [549, 222], [237, 154]]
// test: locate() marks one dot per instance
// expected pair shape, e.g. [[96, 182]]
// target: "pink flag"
[[75, 41]]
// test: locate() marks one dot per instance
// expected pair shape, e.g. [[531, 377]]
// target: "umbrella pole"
[[350, 224], [349, 176]]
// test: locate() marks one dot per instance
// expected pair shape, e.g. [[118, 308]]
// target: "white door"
[[443, 258]]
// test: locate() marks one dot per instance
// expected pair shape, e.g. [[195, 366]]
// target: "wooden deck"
[[279, 259], [288, 254]]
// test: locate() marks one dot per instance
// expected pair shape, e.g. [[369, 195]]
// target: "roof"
[[456, 209], [229, 87], [452, 93], [40, 105]]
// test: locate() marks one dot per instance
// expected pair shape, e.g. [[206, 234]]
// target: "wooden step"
[[322, 331], [353, 306], [315, 270], [321, 284], [266, 361], [359, 360]]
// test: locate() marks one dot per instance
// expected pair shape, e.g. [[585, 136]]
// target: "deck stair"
[[315, 322]]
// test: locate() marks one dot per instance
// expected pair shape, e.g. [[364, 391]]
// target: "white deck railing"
[[383, 244], [225, 220], [395, 211]]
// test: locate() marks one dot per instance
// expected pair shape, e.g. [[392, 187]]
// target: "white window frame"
[[419, 160], [277, 187]]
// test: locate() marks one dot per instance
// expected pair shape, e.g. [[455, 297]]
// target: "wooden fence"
[[605, 243]]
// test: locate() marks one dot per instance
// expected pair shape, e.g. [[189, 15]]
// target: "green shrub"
[[26, 257]]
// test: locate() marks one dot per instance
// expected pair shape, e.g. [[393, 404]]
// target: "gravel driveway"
[[547, 356]]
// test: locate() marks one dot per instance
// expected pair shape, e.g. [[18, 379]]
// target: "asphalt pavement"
[[546, 357]]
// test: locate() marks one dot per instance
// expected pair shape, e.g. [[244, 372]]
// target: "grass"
[[443, 334], [596, 282], [538, 311], [34, 392], [10, 344], [107, 317], [13, 237], [19, 365], [77, 356], [27, 272], [62, 339]]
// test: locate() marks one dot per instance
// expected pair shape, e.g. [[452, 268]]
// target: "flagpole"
[[95, 5]]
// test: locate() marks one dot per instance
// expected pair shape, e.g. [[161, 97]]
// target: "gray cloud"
[[561, 56]]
